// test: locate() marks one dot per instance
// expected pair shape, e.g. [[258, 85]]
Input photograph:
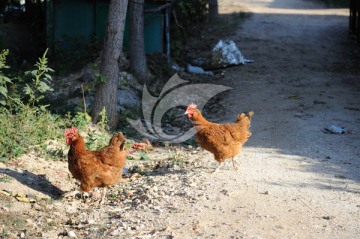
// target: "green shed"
[[72, 21]]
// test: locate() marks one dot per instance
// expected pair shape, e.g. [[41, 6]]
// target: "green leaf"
[[48, 77], [28, 90], [144, 156], [3, 91], [39, 98], [100, 79], [130, 157], [43, 107], [43, 87], [4, 79], [87, 117], [4, 159]]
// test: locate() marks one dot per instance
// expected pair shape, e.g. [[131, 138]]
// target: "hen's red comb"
[[192, 105], [70, 131]]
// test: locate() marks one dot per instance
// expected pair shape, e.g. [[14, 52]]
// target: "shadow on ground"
[[37, 182]]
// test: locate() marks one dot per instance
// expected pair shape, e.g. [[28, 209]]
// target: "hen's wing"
[[239, 130], [214, 136]]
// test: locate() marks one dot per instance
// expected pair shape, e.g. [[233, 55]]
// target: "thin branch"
[[83, 93]]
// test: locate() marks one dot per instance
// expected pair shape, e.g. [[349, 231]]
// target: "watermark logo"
[[176, 92]]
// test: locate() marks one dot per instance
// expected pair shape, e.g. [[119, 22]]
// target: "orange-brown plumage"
[[99, 168], [223, 140]]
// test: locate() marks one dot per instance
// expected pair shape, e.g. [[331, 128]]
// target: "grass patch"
[[27, 124], [11, 223], [5, 179]]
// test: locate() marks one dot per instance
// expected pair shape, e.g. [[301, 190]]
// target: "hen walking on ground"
[[222, 140]]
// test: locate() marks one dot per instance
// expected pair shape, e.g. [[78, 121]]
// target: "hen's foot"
[[82, 195], [70, 194], [217, 169], [235, 164]]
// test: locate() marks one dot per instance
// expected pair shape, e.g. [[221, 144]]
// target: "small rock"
[[144, 197], [89, 221], [71, 209], [135, 175], [176, 167], [71, 234], [37, 207], [72, 221], [334, 129], [117, 232], [5, 209], [157, 209], [193, 184], [19, 170], [96, 195]]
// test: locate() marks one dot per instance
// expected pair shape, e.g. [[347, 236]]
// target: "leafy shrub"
[[4, 80], [26, 123]]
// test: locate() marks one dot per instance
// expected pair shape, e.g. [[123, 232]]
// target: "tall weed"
[[26, 123]]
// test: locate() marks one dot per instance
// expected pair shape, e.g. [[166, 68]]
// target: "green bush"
[[25, 122]]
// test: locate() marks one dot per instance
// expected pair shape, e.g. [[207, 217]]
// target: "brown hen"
[[98, 168], [222, 140]]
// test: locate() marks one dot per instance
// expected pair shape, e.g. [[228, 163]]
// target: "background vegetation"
[[26, 123]]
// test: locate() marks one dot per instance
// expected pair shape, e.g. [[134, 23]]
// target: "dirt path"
[[301, 83], [294, 181]]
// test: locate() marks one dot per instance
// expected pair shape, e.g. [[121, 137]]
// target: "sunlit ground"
[[272, 7]]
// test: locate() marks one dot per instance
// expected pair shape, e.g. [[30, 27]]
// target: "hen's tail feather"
[[249, 115], [118, 140], [122, 145]]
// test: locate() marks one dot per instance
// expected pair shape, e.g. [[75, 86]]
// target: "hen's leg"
[[217, 168], [103, 196], [235, 163]]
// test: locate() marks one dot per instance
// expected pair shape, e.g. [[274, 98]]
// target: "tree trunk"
[[213, 10], [137, 46], [106, 92]]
